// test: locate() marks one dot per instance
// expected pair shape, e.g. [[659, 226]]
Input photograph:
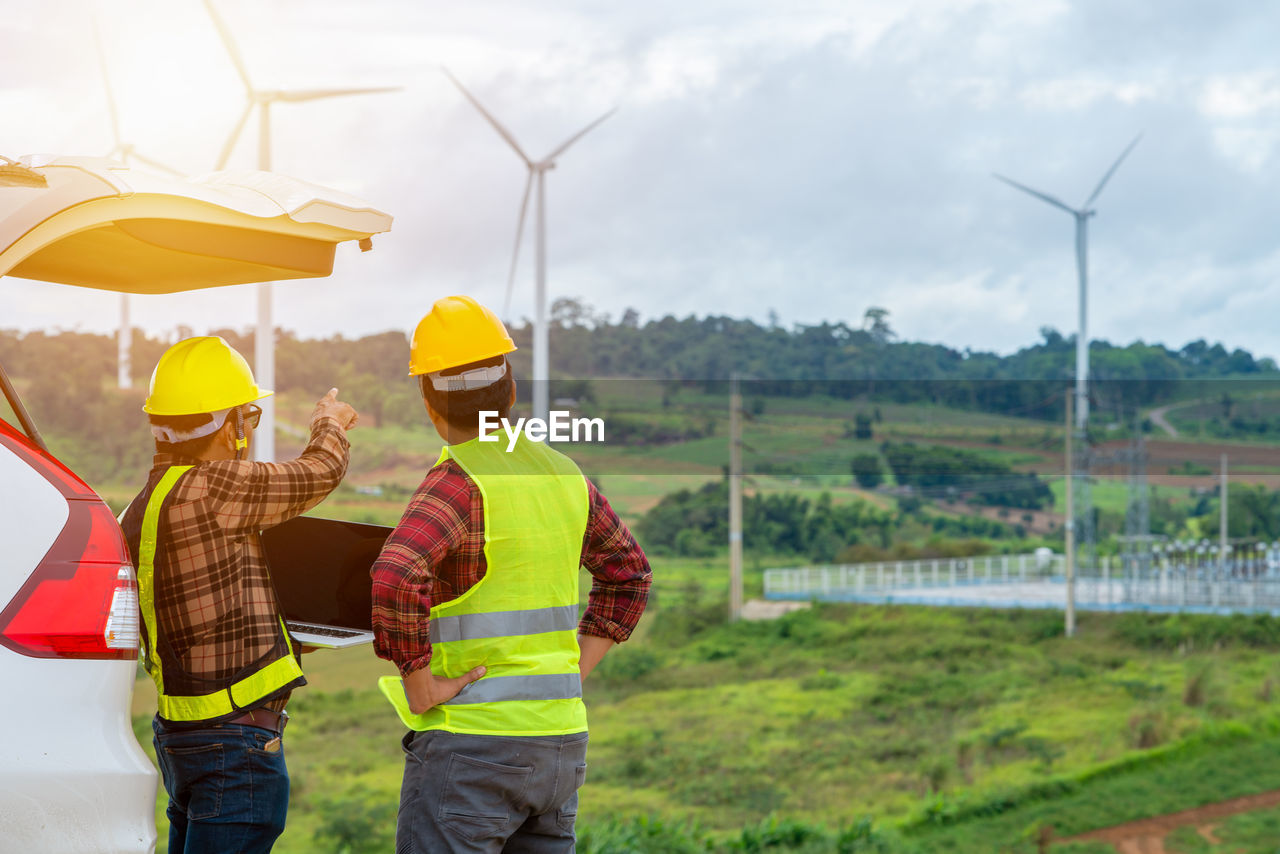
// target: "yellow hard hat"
[[457, 331], [198, 375]]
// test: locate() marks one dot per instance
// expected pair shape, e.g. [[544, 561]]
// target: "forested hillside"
[[833, 358]]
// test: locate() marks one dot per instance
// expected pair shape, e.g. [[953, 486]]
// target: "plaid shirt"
[[215, 606], [436, 554]]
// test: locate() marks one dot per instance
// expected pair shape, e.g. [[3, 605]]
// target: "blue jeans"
[[484, 794], [227, 792]]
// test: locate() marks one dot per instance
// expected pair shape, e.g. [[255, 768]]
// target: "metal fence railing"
[[1031, 581], [912, 574]]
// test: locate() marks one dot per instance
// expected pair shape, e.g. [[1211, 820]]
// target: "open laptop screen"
[[321, 569]]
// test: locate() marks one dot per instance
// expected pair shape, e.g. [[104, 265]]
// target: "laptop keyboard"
[[326, 631]]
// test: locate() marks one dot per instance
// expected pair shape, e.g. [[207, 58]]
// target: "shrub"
[[867, 471], [1147, 730], [356, 821], [1198, 686], [645, 835], [627, 665]]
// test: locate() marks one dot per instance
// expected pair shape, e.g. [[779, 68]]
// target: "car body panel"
[[34, 513], [73, 779], [95, 223]]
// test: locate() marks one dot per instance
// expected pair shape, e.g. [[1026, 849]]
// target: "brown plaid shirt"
[[436, 554], [215, 606]]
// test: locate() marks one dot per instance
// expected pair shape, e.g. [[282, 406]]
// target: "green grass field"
[[953, 728], [947, 730]]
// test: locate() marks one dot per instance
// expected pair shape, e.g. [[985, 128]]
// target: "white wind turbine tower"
[[264, 342], [537, 173], [125, 151], [1081, 215], [1079, 511]]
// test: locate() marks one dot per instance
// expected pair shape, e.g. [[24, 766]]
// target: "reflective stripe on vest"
[[498, 624], [520, 619], [548, 686], [241, 693]]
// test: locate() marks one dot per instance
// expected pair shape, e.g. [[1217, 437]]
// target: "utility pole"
[[124, 371], [1222, 519], [264, 344], [1069, 531], [735, 500]]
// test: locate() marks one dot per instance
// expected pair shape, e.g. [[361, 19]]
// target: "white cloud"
[[814, 159], [1248, 148], [1240, 96], [1079, 92]]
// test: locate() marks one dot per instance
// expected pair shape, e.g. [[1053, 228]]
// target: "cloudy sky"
[[810, 162]]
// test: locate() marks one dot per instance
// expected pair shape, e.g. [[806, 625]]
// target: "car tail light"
[[82, 600]]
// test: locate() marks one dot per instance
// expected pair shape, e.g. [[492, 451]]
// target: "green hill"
[[947, 729]]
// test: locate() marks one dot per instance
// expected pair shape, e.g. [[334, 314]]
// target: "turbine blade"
[[225, 34], [106, 83], [1039, 195], [230, 144], [577, 136], [297, 95], [502, 132], [515, 255], [1112, 171], [156, 164]]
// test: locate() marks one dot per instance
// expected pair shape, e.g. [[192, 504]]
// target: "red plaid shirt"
[[216, 610], [436, 554]]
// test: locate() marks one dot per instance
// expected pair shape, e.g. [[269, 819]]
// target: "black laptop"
[[320, 568]]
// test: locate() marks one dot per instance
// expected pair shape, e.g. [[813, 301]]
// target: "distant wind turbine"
[[1081, 215], [537, 171], [125, 151], [264, 347]]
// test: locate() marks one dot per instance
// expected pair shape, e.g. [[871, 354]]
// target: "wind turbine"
[[1080, 504], [125, 151], [1081, 215], [537, 174], [264, 347]]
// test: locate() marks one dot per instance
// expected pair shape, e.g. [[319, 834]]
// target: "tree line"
[[845, 361], [67, 377], [694, 523]]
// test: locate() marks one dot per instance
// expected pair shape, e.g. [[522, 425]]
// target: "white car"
[[72, 776]]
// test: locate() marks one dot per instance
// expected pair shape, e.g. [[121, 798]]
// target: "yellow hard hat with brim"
[[198, 375], [457, 331]]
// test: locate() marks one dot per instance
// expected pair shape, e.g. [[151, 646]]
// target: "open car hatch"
[[96, 223]]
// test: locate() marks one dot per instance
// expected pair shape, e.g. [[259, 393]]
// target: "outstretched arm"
[[253, 496]]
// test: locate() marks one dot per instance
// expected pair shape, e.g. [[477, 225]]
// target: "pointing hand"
[[329, 406]]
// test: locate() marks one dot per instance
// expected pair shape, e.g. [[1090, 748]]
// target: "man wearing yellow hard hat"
[[214, 640], [475, 599]]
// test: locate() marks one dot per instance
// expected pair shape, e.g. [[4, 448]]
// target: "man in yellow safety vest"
[[214, 641], [475, 599]]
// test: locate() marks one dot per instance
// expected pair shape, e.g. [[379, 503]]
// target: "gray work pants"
[[485, 794]]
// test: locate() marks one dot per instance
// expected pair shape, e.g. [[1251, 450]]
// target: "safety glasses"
[[252, 415]]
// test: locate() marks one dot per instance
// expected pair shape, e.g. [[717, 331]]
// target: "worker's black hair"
[[181, 424], [462, 408]]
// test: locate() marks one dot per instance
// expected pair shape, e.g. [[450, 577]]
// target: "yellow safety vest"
[[520, 620], [225, 702]]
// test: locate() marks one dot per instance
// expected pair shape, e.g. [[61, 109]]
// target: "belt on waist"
[[264, 718]]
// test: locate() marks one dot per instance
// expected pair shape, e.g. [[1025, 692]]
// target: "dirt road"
[[1147, 835]]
